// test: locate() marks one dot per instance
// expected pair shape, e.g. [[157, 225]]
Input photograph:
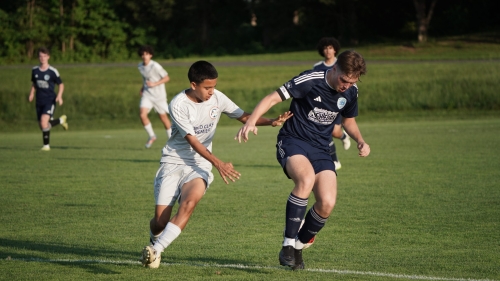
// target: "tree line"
[[111, 30]]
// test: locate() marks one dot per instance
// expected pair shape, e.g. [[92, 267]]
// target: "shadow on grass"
[[92, 263], [96, 260]]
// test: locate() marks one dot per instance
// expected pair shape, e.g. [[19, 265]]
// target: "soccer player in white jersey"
[[318, 98], [44, 78], [153, 93], [186, 163], [328, 48]]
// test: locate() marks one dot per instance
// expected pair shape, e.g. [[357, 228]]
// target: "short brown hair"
[[145, 49], [44, 50], [351, 63]]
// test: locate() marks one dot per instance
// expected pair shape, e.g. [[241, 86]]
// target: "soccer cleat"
[[287, 256], [63, 121], [149, 258], [309, 243], [337, 165], [299, 262], [150, 142], [45, 148], [346, 141]]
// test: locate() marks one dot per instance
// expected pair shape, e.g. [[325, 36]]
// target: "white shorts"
[[160, 106], [171, 177]]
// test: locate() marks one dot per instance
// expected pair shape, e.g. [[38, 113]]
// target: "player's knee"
[[325, 207]]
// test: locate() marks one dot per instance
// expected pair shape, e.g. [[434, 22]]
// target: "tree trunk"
[[423, 18], [30, 9], [61, 14]]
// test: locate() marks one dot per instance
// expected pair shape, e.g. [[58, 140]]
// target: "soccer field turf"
[[424, 205]]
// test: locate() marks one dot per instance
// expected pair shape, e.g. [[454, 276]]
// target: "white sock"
[[169, 132], [289, 242], [170, 233], [299, 245], [149, 129], [153, 237]]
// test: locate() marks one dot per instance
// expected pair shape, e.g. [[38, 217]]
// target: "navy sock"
[[46, 137], [295, 210], [55, 122], [312, 225]]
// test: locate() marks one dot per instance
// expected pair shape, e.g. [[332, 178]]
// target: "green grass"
[[424, 204]]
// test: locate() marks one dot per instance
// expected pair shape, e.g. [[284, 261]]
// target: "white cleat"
[[150, 142], [346, 141], [337, 165], [45, 148], [63, 121], [149, 258]]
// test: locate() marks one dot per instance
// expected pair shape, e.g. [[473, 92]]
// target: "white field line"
[[241, 266]]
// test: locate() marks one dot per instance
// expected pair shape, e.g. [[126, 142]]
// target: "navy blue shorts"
[[47, 108], [320, 158]]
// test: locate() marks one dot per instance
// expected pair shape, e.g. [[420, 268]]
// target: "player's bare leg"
[[147, 126], [45, 127], [191, 194], [302, 173], [160, 220]]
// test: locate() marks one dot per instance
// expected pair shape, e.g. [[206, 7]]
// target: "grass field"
[[424, 205]]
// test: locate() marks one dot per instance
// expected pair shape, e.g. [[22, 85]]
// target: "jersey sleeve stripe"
[[310, 76], [284, 94]]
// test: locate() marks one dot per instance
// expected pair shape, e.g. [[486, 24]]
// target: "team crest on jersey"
[[46, 77], [214, 112], [341, 103]]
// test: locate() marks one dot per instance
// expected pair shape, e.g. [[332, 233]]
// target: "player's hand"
[[227, 171], [30, 98], [364, 149], [282, 118], [60, 100], [243, 132], [150, 84]]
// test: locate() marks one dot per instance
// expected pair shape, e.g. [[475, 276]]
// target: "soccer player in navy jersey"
[[328, 48], [44, 78], [318, 97]]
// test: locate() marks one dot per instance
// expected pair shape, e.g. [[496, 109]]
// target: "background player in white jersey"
[[302, 148], [328, 48], [187, 159], [44, 78], [153, 92]]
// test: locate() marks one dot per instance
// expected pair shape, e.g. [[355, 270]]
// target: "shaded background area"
[[111, 30]]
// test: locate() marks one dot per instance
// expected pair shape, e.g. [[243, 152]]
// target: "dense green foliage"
[[422, 206], [112, 30]]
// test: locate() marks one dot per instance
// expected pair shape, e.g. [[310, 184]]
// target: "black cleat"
[[299, 262], [287, 256]]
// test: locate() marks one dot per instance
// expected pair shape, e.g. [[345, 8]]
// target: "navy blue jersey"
[[44, 82], [321, 66], [315, 106]]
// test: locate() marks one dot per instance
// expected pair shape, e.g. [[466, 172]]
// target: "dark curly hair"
[[325, 42], [145, 48]]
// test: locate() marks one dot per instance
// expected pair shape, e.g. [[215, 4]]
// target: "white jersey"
[[196, 119], [153, 72]]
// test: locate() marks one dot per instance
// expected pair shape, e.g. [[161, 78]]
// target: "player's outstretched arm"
[[60, 94], [278, 121], [151, 84], [32, 93], [226, 170], [262, 107], [352, 129]]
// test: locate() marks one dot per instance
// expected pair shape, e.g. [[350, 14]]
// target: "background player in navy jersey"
[[328, 48], [44, 78], [302, 144]]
